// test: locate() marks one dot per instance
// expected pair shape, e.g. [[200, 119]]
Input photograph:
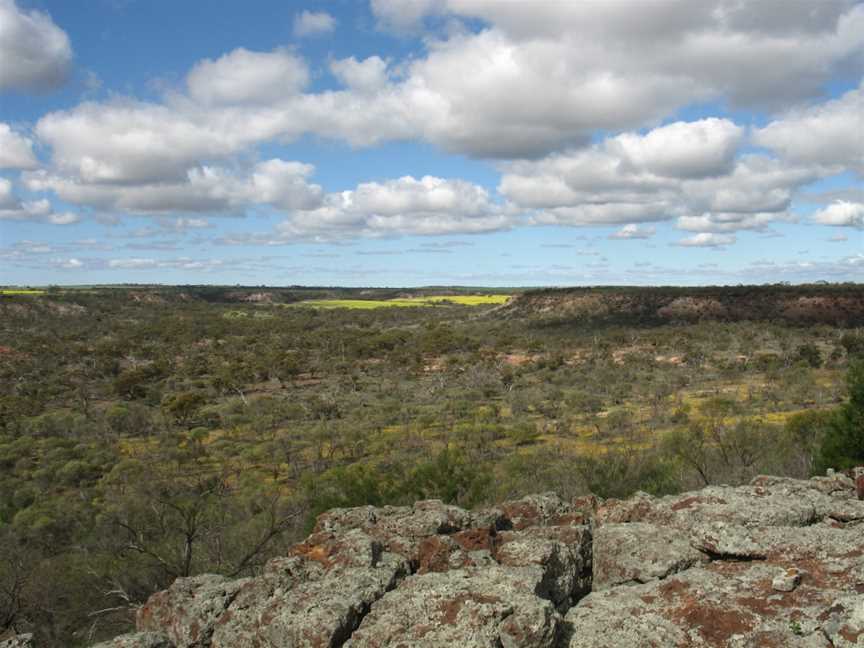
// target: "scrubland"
[[148, 433]]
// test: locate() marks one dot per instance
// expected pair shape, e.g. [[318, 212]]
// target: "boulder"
[[476, 608], [640, 552], [187, 611]]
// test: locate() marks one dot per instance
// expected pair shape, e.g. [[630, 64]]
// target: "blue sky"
[[419, 142]]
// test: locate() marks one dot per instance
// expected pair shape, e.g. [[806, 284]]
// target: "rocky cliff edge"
[[778, 562]]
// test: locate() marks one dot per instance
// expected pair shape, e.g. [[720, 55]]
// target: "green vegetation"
[[147, 433], [842, 442]]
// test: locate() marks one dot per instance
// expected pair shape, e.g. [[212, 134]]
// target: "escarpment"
[[839, 305], [778, 562]]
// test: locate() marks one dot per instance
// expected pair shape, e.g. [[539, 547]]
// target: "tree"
[[805, 432], [843, 444], [810, 355]]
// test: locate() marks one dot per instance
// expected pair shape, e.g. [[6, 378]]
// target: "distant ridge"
[[835, 304]]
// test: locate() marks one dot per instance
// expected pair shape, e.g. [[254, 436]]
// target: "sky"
[[431, 142]]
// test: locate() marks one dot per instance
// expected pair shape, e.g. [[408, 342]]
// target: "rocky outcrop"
[[778, 562]]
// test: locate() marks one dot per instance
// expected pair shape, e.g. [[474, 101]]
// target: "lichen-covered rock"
[[480, 608], [137, 640], [321, 610], [187, 611], [541, 510], [776, 562], [843, 622], [733, 601], [640, 552], [562, 555]]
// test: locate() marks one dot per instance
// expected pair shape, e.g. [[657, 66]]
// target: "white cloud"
[[35, 54], [635, 178], [544, 76], [16, 151], [841, 213], [366, 76], [633, 231], [313, 23], [404, 206], [731, 221], [41, 210], [831, 133], [126, 142], [682, 150], [707, 239], [284, 185], [609, 213], [243, 77], [277, 183], [749, 52]]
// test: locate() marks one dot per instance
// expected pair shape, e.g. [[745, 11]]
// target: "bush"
[[843, 443]]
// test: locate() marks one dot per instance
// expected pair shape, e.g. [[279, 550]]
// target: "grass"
[[406, 302], [14, 291]]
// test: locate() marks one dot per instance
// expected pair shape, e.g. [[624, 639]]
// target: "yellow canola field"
[[404, 302]]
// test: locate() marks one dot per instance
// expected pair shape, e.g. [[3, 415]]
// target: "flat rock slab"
[[640, 552]]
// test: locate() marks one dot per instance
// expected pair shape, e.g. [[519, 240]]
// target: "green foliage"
[[810, 355], [805, 432], [842, 445], [449, 476], [853, 344], [620, 473]]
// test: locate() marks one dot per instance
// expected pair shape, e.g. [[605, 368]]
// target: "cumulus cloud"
[[35, 54], [16, 151], [684, 171], [546, 77], [707, 239], [127, 142], [831, 133], [633, 231], [407, 205], [731, 221], [682, 150], [277, 183], [841, 213], [313, 23], [40, 211], [243, 77], [366, 76]]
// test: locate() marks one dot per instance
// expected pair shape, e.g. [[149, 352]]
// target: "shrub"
[[843, 443]]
